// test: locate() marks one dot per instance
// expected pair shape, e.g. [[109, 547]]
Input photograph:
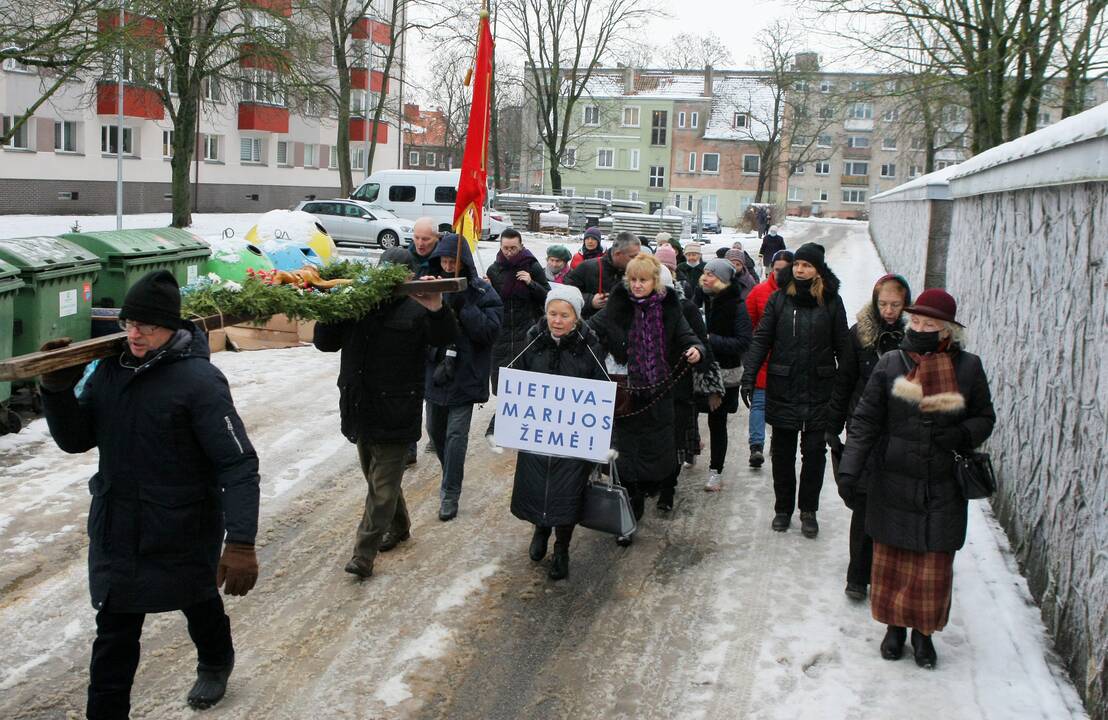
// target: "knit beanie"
[[786, 255], [662, 238], [722, 269], [593, 232], [559, 251], [812, 253], [398, 256], [566, 293], [667, 256], [720, 252], [693, 247], [734, 254], [154, 299]]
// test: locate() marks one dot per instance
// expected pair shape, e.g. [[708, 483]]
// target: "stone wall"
[[899, 229], [1028, 268]]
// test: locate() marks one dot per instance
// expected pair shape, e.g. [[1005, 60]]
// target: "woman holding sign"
[[548, 491], [645, 335]]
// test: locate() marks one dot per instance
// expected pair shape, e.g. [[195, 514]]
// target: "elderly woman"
[[922, 404], [548, 491], [644, 333]]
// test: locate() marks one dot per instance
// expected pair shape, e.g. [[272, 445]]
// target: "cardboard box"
[[246, 337], [217, 340], [306, 330], [281, 323]]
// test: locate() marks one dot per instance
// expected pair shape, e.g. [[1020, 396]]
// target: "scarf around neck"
[[932, 384], [646, 342], [510, 286]]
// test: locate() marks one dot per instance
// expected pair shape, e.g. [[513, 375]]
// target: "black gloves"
[[746, 394], [444, 371], [952, 437], [63, 379], [849, 492]]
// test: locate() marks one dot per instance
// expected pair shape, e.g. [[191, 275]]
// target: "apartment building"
[[425, 143], [256, 150]]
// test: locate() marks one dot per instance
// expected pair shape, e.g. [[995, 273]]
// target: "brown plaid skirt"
[[911, 589]]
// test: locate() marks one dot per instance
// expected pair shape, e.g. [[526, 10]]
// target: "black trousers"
[[813, 454], [717, 428], [115, 653], [562, 534], [861, 546]]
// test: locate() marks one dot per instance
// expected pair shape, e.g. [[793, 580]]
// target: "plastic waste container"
[[56, 297], [9, 287], [127, 255]]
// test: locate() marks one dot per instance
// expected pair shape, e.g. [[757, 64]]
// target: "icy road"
[[708, 615]]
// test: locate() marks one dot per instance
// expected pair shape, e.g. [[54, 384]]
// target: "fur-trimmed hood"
[[870, 326]]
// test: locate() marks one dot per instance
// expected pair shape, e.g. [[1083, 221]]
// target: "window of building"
[[795, 194], [891, 115], [19, 139], [431, 159], [918, 143], [658, 127], [823, 167], [854, 196], [826, 112], [824, 140], [854, 168], [825, 86], [888, 143], [751, 164], [13, 65], [402, 193], [888, 170], [211, 89], [857, 141], [941, 165], [569, 192], [333, 157], [694, 120], [413, 159], [709, 162], [138, 67], [311, 157], [913, 171], [591, 115], [632, 194], [692, 162], [740, 120], [569, 157], [681, 119], [211, 148], [634, 158], [711, 203], [262, 86], [109, 140], [798, 168], [167, 143], [800, 140], [860, 111], [657, 176], [822, 194], [605, 194], [282, 152], [800, 86], [630, 116], [251, 150], [65, 136], [605, 158], [859, 86], [357, 158]]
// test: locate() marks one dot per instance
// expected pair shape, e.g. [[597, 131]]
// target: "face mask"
[[923, 342]]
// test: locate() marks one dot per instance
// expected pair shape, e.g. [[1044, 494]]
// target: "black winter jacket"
[[870, 338], [807, 340], [382, 367], [176, 468], [690, 275], [480, 314], [548, 490], [594, 276], [645, 441], [729, 328], [520, 314], [913, 500], [771, 245]]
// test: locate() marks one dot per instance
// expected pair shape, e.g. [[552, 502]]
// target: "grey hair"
[[625, 239], [956, 333]]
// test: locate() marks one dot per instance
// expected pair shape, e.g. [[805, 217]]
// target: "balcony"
[[137, 26], [858, 124], [281, 7], [853, 153], [374, 30], [138, 101], [262, 117], [362, 79], [264, 58], [855, 180], [358, 131]]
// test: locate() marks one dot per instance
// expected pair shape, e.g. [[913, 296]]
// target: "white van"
[[412, 194]]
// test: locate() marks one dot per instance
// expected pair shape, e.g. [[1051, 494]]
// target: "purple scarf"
[[509, 285], [646, 342]]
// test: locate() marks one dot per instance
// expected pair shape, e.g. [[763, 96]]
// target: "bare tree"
[[562, 43], [1079, 57], [694, 52]]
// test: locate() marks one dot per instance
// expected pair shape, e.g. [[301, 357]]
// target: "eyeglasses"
[[143, 328]]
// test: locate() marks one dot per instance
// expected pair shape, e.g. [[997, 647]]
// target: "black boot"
[[923, 649], [559, 565], [892, 647], [756, 456], [809, 528], [665, 499], [210, 685], [781, 522], [539, 540], [390, 540], [856, 591], [356, 567]]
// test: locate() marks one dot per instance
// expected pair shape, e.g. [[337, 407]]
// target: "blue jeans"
[[758, 418], [448, 426]]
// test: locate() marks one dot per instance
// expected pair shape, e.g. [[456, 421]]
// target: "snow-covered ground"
[[708, 615]]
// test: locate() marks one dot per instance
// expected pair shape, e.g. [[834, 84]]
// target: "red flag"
[[472, 186]]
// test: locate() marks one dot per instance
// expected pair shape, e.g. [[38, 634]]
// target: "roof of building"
[[740, 94]]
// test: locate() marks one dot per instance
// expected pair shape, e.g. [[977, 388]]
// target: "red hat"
[[935, 303]]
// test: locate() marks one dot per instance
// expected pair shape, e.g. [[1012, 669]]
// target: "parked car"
[[709, 222], [412, 194], [360, 223]]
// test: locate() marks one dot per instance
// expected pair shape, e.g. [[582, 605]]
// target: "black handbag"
[[607, 506], [975, 476]]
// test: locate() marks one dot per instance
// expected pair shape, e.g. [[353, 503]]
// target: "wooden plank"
[[25, 367]]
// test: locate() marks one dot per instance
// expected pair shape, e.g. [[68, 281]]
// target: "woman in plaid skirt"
[[922, 403]]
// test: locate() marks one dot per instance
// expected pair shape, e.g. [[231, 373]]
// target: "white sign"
[[67, 303], [192, 273], [554, 414]]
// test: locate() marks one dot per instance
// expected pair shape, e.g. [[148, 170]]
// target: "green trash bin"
[[56, 297], [127, 255], [9, 286]]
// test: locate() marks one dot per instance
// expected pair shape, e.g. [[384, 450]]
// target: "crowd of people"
[[680, 335]]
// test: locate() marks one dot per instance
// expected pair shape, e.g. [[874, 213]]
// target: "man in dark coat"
[[598, 277], [457, 375], [424, 239], [772, 244], [381, 376], [177, 473], [688, 272], [521, 282]]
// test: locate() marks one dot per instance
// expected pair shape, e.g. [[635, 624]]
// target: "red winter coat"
[[755, 307]]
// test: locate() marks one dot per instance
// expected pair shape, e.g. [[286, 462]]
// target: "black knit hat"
[[398, 256], [154, 299], [812, 253]]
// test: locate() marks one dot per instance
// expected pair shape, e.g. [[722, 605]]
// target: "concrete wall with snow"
[[1028, 264]]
